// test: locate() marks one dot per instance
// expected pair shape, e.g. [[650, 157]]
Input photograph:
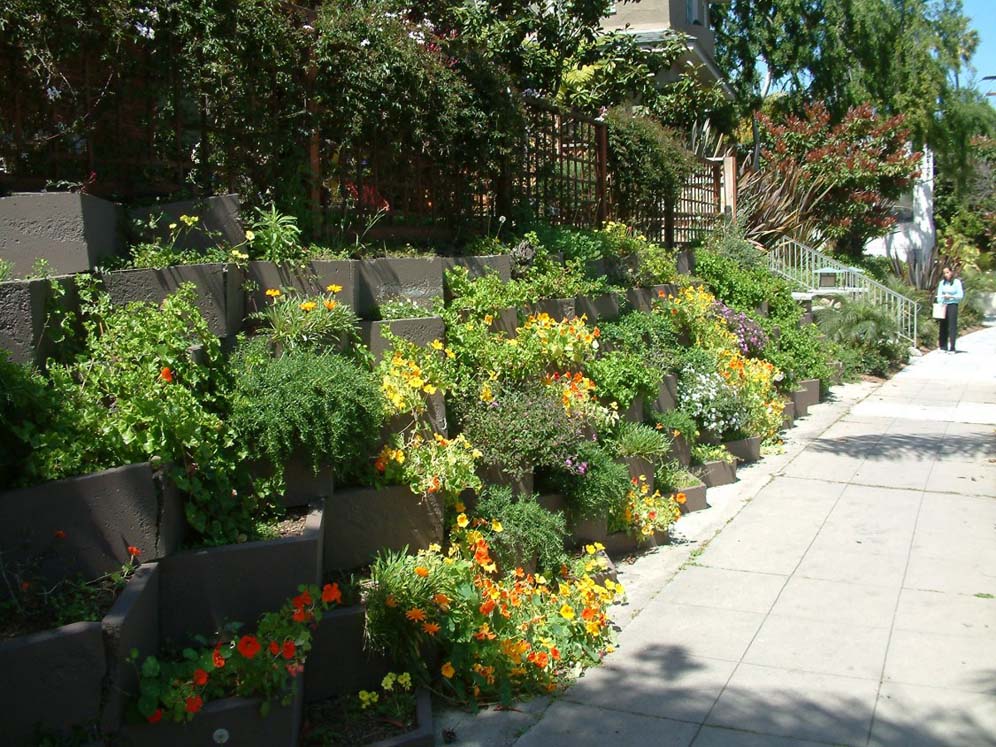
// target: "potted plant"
[[714, 465]]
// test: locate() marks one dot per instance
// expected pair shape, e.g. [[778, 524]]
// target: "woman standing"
[[949, 293]]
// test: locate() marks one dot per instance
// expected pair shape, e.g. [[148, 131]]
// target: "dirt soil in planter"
[[38, 607], [293, 522], [340, 722]]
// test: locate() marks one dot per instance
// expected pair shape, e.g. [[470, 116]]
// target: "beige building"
[[650, 20]]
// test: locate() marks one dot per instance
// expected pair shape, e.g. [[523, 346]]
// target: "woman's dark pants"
[[948, 327]]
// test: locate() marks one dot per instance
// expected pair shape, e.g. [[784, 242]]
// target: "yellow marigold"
[[309, 306], [273, 292], [496, 526], [333, 288]]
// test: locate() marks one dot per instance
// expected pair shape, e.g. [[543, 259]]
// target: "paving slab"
[[583, 726]]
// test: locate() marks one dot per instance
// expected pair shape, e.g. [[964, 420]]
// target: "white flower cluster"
[[711, 401]]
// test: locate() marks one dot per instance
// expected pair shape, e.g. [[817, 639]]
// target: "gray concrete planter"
[[680, 451], [667, 396], [800, 402], [639, 467], [101, 514], [73, 232], [365, 520], [434, 417], [788, 414], [202, 589], [235, 721], [415, 279], [495, 475], [588, 531], [220, 296], [986, 303], [643, 299], [479, 266], [22, 318], [762, 309], [423, 734], [219, 220], [558, 308], [695, 497], [719, 472], [310, 278], [604, 307], [686, 262], [745, 449], [421, 331], [303, 485], [52, 679], [79, 672], [338, 663], [634, 413], [812, 389]]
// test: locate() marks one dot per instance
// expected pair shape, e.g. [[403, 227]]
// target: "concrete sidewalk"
[[848, 601]]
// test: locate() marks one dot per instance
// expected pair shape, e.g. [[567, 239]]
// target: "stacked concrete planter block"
[[639, 467], [220, 294], [78, 673], [745, 449], [303, 484], [485, 264], [132, 624], [495, 475], [363, 521], [22, 318], [52, 679], [73, 232], [643, 299], [415, 279], [101, 514], [686, 262], [558, 308], [310, 278], [423, 735], [680, 451], [634, 412], [799, 400], [813, 391], [338, 663], [695, 497], [788, 414], [420, 331], [202, 589], [719, 472], [235, 721], [219, 221], [589, 531], [667, 396], [502, 321], [604, 307]]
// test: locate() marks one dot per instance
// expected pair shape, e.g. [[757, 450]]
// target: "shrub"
[[744, 287], [867, 330], [520, 429], [430, 464], [527, 531], [315, 322], [593, 483], [639, 440], [640, 262], [275, 237], [645, 513], [653, 336], [678, 423], [27, 409], [323, 407], [800, 353], [622, 377]]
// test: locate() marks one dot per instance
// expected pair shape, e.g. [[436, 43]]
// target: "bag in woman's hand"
[[940, 311]]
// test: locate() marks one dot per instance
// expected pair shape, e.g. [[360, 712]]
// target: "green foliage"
[[136, 393], [594, 485], [651, 335], [639, 261], [157, 251], [640, 440], [647, 161], [276, 237], [402, 309], [868, 332], [703, 453], [28, 408], [323, 407], [519, 429], [621, 377], [6, 270], [529, 531], [800, 353], [321, 322], [678, 423]]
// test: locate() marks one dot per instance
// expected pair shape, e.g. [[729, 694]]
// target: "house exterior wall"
[[656, 15], [915, 237]]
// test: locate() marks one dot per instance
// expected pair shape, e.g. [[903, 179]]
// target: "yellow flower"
[[429, 389], [459, 506], [447, 670], [172, 226], [462, 521], [567, 612], [333, 288], [250, 236], [273, 292], [496, 526], [309, 306], [367, 699], [405, 680], [388, 682], [486, 394], [450, 354], [330, 305], [437, 345], [488, 319]]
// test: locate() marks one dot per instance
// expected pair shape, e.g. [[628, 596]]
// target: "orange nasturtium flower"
[[447, 670], [680, 497], [134, 551], [421, 570], [194, 703], [332, 593], [442, 600], [416, 614], [200, 677], [166, 374], [248, 646]]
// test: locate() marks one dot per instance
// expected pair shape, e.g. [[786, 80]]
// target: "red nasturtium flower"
[[59, 534], [166, 374], [134, 551], [302, 600], [274, 648], [301, 615], [248, 646], [289, 649], [331, 593], [218, 659], [194, 703], [156, 716], [200, 677]]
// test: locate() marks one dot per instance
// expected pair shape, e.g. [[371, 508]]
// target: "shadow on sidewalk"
[[925, 446]]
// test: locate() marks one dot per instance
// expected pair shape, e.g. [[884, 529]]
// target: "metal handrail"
[[801, 264]]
